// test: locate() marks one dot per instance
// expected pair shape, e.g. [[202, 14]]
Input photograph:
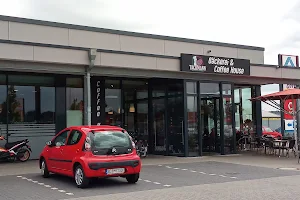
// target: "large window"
[[74, 101], [227, 109], [113, 102], [192, 119], [31, 109], [175, 117]]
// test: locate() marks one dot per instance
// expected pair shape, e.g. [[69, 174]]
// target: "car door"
[[72, 148], [56, 160]]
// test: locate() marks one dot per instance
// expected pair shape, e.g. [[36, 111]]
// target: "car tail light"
[[87, 144]]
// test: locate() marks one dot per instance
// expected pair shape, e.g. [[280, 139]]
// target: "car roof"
[[97, 128]]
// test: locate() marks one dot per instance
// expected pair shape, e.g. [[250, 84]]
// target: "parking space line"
[[156, 183], [193, 171], [45, 185]]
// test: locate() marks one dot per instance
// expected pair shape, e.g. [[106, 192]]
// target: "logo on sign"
[[197, 64], [289, 61]]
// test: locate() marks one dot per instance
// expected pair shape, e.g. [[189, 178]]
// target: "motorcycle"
[[19, 150], [141, 148]]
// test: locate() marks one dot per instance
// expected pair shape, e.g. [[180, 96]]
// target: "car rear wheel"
[[80, 179], [133, 178], [44, 169]]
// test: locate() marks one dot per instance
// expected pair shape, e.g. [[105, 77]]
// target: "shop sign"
[[288, 106], [96, 100], [288, 60], [214, 64]]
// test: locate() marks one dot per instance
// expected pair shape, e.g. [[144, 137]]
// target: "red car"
[[85, 152], [267, 131]]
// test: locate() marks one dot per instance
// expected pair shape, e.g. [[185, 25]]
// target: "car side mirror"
[[49, 143]]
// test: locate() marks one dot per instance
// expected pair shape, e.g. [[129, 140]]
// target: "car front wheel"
[[44, 169], [133, 178], [80, 179]]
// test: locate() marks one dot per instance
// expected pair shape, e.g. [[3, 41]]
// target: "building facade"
[[185, 97]]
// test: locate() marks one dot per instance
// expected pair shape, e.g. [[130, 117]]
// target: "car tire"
[[133, 178], [44, 169], [80, 179]]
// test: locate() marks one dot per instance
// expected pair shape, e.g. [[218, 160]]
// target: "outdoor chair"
[[290, 147], [284, 146]]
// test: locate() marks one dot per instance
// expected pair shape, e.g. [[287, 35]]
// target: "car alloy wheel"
[[44, 169], [81, 180], [79, 176]]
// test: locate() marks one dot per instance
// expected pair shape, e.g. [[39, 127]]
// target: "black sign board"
[[214, 65], [96, 96]]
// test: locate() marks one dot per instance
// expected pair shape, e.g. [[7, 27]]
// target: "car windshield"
[[268, 130], [110, 139]]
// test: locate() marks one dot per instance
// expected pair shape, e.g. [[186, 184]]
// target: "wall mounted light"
[[131, 109]]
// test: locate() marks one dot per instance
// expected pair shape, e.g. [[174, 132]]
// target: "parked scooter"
[[141, 148], [19, 150]]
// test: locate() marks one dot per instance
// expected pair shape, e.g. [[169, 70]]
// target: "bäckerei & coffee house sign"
[[214, 65]]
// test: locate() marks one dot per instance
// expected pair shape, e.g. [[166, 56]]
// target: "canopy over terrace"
[[270, 99]]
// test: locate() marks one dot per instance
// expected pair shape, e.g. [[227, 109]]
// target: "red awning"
[[282, 95]]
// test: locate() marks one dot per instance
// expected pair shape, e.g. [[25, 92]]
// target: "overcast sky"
[[274, 24]]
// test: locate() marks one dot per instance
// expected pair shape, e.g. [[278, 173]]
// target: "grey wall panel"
[[173, 48], [16, 52], [220, 51], [80, 38], [38, 34], [253, 55], [4, 30], [142, 45]]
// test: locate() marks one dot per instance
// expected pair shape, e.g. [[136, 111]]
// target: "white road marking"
[[160, 165], [212, 174], [157, 183], [184, 169], [193, 171], [223, 176], [140, 179], [168, 167], [233, 177], [176, 168], [167, 185], [147, 181], [47, 186], [202, 172]]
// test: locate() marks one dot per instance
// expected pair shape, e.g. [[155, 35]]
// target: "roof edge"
[[127, 33]]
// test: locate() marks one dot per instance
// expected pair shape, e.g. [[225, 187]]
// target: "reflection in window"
[[74, 101], [227, 107], [3, 103], [113, 102], [47, 112], [192, 125]]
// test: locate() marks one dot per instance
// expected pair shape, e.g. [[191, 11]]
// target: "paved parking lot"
[[153, 177]]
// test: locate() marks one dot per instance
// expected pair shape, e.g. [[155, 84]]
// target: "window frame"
[[58, 135], [70, 135]]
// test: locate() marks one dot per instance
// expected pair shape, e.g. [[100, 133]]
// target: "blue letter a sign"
[[289, 62]]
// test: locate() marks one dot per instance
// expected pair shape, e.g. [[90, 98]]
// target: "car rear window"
[[110, 142]]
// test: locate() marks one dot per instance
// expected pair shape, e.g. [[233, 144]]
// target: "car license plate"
[[115, 171]]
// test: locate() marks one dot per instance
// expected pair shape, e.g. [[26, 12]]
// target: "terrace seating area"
[[269, 145]]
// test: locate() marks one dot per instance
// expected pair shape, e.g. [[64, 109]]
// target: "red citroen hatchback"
[[85, 152]]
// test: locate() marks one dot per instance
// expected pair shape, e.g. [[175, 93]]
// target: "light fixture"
[[131, 108], [110, 112], [119, 110]]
